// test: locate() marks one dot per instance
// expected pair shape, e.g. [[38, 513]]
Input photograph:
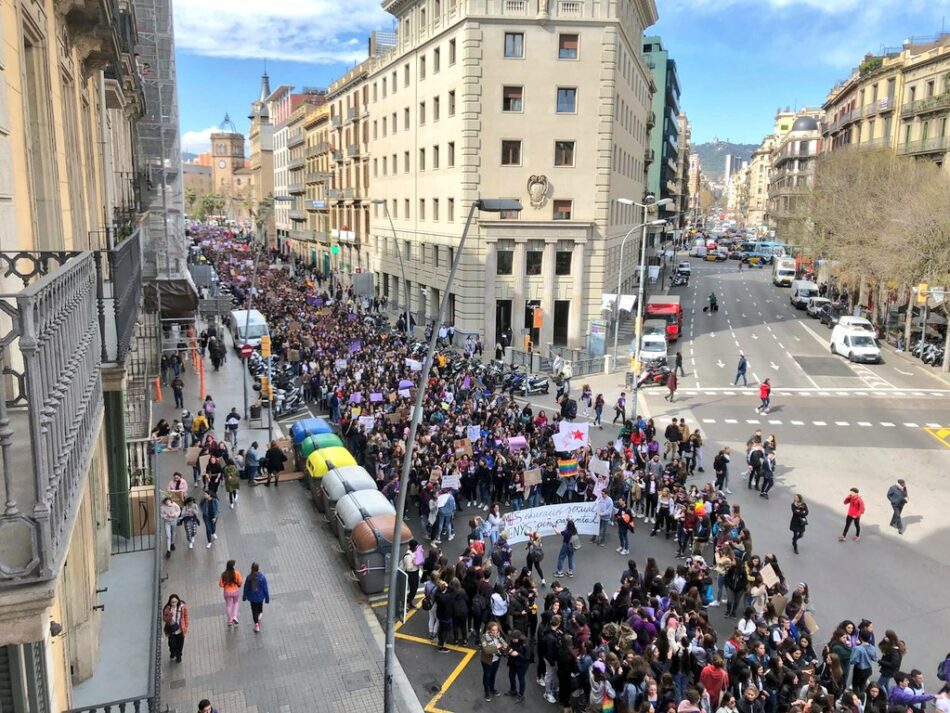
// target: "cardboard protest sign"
[[463, 446], [453, 481], [191, 455], [769, 578], [532, 477]]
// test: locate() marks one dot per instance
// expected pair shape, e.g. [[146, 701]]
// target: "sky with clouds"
[[738, 60]]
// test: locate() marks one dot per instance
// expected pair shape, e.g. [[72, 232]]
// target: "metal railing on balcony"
[[886, 104], [935, 144], [296, 164], [296, 189], [353, 150], [649, 155], [336, 155], [335, 194], [352, 112], [516, 7], [349, 194], [298, 215], [336, 121], [651, 119], [295, 138], [938, 102], [48, 425], [317, 176]]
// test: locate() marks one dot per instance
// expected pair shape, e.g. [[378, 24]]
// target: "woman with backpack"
[[535, 555], [257, 593]]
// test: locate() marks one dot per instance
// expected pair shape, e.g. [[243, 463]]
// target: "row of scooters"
[[288, 394]]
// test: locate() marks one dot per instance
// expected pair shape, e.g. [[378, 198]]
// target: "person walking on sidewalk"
[[178, 388], [187, 425], [209, 409], [232, 483], [210, 510], [163, 368], [252, 463], [190, 516], [231, 582], [204, 706], [671, 384], [257, 593], [231, 423], [274, 461], [175, 619], [799, 520], [599, 411], [741, 368], [620, 408], [897, 496], [855, 510], [170, 512]]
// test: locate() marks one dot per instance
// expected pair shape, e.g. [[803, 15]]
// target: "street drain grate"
[[825, 366]]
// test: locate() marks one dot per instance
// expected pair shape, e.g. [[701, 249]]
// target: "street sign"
[[246, 350]]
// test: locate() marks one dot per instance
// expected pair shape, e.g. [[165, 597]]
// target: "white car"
[[854, 344], [857, 323], [653, 347], [685, 268], [815, 304]]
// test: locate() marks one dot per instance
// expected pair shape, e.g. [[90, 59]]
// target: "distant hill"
[[188, 156], [712, 156]]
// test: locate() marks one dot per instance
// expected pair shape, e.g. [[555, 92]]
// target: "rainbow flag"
[[567, 468]]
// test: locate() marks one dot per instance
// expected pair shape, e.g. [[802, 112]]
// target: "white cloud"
[[315, 31], [197, 141]]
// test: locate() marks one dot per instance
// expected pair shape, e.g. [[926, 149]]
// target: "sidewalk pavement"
[[936, 372], [320, 647]]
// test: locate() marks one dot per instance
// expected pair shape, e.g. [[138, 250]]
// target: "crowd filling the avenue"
[[642, 640]]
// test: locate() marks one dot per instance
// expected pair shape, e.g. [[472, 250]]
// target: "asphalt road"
[[837, 424]]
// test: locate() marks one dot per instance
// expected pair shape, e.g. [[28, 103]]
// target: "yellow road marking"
[[383, 602], [431, 706], [940, 434]]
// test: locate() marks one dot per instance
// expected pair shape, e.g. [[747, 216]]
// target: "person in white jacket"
[[170, 512]]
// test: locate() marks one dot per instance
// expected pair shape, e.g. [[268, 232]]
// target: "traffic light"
[[266, 391], [265, 346]]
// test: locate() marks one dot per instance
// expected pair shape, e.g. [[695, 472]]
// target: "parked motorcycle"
[[654, 375]]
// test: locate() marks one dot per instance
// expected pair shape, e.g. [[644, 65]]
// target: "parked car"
[[815, 305], [802, 291], [698, 251], [854, 344], [857, 323], [684, 268]]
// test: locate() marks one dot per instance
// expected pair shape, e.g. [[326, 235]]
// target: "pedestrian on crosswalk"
[[741, 369], [671, 384], [855, 510], [765, 395], [897, 496]]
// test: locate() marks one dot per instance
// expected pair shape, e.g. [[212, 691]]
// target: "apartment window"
[[405, 118], [451, 52], [930, 88], [563, 153], [451, 157], [511, 98], [505, 262], [407, 246], [509, 215], [435, 157], [422, 209], [395, 165], [405, 75], [376, 129], [395, 208], [533, 262], [405, 204], [567, 47], [514, 44], [405, 162], [510, 153], [562, 262], [384, 87], [435, 108], [422, 113], [395, 83], [375, 92], [563, 209], [422, 67], [384, 126], [422, 17], [45, 192], [435, 216], [422, 159], [452, 103], [566, 100], [436, 60], [450, 210], [435, 248]]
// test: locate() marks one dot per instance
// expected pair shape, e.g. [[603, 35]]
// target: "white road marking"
[[729, 393], [775, 421], [842, 423], [709, 420], [752, 420], [781, 346], [720, 364], [932, 425], [730, 420], [754, 335], [767, 326], [773, 365], [737, 342], [864, 423], [755, 377], [819, 423], [797, 423], [905, 373], [911, 425], [824, 393], [887, 424]]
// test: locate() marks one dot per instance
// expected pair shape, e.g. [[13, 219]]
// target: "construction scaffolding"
[[158, 144]]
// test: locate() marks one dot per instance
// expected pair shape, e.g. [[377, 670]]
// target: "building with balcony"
[[760, 166], [897, 100], [684, 148], [279, 107], [457, 112], [664, 137], [311, 240], [72, 225], [794, 161]]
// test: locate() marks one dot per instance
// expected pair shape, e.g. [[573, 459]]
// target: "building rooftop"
[[805, 123]]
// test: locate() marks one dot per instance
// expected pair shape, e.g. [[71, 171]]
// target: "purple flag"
[[375, 396], [466, 382], [355, 346]]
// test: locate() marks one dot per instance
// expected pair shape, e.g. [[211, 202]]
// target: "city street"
[[838, 426]]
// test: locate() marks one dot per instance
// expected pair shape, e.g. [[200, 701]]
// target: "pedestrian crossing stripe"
[[810, 391], [934, 429]]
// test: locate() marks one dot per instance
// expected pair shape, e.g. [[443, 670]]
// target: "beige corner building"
[[546, 101], [898, 100]]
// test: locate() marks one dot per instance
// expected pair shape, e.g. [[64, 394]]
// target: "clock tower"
[[227, 156]]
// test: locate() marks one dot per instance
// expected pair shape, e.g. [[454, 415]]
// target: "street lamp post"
[[489, 206], [402, 267]]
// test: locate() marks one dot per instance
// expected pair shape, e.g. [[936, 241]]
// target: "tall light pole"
[[402, 267], [644, 225], [487, 205]]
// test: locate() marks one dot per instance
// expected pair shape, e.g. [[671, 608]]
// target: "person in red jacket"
[[855, 510], [715, 679], [765, 394]]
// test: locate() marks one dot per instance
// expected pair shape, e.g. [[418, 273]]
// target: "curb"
[[406, 700]]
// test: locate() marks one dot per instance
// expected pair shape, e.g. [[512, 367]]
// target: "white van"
[[253, 322], [783, 271], [857, 323], [855, 344], [653, 347], [802, 291]]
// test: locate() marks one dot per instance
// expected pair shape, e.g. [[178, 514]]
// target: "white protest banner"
[[404, 393], [549, 519], [562, 442], [473, 433], [579, 433], [340, 364], [414, 365], [367, 422], [453, 481], [599, 467]]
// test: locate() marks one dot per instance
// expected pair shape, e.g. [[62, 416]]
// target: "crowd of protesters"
[[641, 641]]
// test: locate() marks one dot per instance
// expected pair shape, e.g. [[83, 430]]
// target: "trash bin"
[[307, 427], [255, 411], [371, 551], [353, 508], [314, 443], [326, 459], [337, 483]]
